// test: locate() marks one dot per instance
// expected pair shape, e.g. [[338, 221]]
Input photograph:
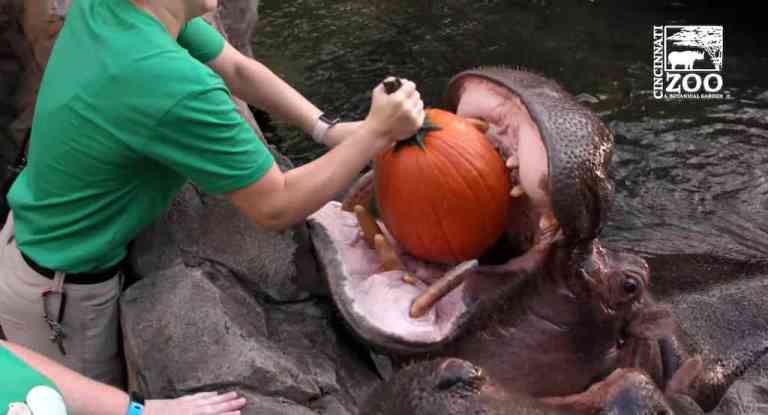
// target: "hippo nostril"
[[458, 372]]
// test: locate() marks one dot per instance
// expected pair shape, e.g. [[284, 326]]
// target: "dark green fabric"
[[125, 116]]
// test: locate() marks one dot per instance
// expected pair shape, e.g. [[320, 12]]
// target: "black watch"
[[330, 120]]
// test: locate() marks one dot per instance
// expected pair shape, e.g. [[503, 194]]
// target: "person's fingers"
[[411, 88], [199, 395], [228, 406], [379, 89], [417, 105], [221, 398], [406, 90]]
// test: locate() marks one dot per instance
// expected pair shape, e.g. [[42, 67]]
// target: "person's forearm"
[[312, 185], [259, 86], [81, 395]]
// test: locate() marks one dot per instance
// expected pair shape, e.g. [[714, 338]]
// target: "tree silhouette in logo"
[[709, 38]]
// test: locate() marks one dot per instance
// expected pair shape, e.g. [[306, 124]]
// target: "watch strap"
[[323, 124]]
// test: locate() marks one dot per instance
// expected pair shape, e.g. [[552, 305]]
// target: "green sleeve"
[[17, 379], [204, 138], [201, 40]]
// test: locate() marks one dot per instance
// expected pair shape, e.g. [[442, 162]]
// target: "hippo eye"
[[631, 285]]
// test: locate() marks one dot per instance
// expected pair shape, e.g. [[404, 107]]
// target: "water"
[[691, 177]]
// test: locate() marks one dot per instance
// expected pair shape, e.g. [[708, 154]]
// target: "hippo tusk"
[[368, 225], [374, 237], [360, 193], [517, 191], [447, 283], [389, 259]]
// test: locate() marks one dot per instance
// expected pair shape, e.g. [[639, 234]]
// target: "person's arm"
[[279, 200], [257, 85], [84, 396]]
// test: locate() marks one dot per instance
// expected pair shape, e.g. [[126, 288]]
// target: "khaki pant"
[[90, 320]]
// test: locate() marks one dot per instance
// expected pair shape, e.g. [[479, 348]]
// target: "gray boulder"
[[201, 227], [196, 328]]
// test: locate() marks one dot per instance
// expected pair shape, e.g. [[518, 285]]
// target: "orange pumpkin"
[[445, 198]]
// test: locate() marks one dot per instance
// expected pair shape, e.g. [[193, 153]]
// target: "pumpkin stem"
[[418, 139]]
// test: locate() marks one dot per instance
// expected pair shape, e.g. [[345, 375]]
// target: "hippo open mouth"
[[524, 114]]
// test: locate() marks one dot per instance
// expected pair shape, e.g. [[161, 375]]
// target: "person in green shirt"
[[35, 385], [134, 102]]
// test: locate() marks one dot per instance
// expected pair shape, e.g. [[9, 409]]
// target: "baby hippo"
[[453, 386]]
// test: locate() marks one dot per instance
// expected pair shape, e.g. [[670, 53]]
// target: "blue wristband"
[[135, 404], [135, 408]]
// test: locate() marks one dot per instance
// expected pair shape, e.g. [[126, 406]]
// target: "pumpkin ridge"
[[484, 224], [486, 192], [451, 248], [395, 176]]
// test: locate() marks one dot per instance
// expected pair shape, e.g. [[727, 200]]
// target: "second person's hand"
[[204, 403]]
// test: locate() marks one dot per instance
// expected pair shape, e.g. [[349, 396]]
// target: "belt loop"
[[58, 281], [8, 227]]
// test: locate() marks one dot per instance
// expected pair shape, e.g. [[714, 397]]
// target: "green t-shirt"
[[17, 379], [125, 116]]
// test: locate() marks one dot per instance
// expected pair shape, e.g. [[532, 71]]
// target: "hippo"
[[447, 386], [548, 311], [685, 58], [451, 386]]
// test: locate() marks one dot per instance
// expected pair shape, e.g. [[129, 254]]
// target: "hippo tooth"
[[547, 221], [513, 162], [517, 191], [409, 279]]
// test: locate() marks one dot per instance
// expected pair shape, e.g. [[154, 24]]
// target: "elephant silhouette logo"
[[693, 48]]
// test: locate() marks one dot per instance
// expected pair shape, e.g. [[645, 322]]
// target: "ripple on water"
[[693, 185]]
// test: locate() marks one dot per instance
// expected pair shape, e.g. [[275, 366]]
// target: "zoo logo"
[[688, 62]]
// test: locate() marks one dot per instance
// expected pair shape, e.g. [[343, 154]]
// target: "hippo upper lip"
[[578, 145]]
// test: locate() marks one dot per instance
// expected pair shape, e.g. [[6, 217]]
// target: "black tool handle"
[[392, 85]]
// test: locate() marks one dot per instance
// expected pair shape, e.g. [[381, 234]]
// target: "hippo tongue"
[[578, 146]]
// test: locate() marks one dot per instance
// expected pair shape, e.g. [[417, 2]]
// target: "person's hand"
[[205, 403], [341, 131], [397, 116]]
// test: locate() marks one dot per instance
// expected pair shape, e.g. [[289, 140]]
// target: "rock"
[[265, 405], [202, 227], [194, 328], [239, 18], [748, 396], [40, 21]]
